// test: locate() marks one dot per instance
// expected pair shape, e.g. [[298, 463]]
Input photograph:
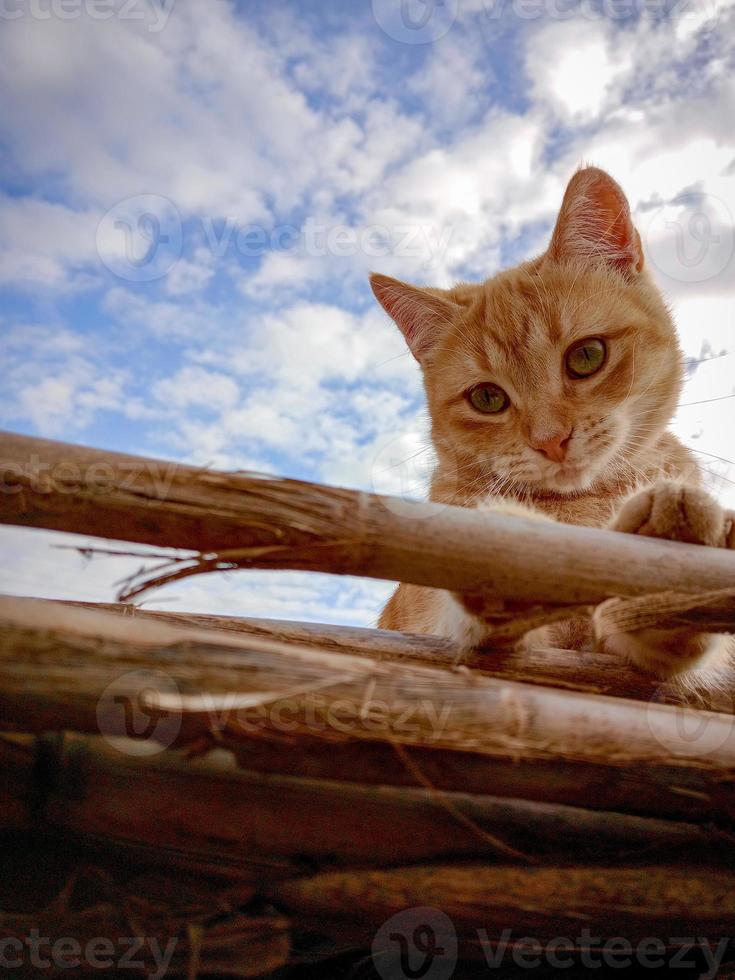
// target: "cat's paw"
[[672, 653], [676, 512]]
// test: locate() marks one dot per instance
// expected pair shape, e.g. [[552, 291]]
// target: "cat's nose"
[[555, 447]]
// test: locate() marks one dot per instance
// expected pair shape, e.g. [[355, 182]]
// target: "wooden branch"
[[541, 902], [18, 793], [274, 523], [206, 813], [309, 712], [592, 672]]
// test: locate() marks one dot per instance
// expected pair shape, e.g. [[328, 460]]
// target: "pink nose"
[[556, 447]]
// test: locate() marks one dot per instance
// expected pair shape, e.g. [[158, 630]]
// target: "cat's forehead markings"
[[516, 305], [540, 303], [518, 339]]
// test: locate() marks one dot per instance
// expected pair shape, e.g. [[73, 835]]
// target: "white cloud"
[[39, 241], [194, 386], [56, 380], [481, 189], [191, 277], [164, 319], [456, 81], [313, 383], [575, 67]]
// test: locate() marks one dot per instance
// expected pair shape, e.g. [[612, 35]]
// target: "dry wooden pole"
[[593, 672], [541, 902], [309, 712], [18, 793], [275, 523], [206, 812]]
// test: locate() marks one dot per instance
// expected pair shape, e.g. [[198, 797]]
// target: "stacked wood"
[[338, 711], [325, 779]]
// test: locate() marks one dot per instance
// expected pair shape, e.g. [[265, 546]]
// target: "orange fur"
[[514, 331]]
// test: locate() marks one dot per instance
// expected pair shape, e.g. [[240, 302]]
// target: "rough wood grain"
[[305, 711], [276, 523], [592, 672], [541, 902], [209, 813]]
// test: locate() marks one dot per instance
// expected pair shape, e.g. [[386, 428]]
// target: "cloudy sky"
[[192, 193]]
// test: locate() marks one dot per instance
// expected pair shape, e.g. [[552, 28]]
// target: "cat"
[[550, 387]]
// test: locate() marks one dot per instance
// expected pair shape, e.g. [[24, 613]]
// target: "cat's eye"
[[585, 358], [488, 398]]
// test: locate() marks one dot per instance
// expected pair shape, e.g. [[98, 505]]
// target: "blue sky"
[[192, 194]]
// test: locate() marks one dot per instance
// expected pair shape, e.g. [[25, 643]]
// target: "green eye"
[[488, 398], [585, 358]]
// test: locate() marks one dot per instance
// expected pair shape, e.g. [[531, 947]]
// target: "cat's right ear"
[[420, 314], [594, 224]]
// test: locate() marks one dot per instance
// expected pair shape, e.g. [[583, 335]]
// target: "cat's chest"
[[593, 510]]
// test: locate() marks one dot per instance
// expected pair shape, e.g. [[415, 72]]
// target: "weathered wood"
[[18, 779], [207, 813], [544, 903], [593, 672], [276, 523], [304, 711]]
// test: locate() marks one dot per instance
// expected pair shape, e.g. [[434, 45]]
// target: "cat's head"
[[554, 375]]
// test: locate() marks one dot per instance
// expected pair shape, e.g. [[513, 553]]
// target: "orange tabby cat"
[[550, 387]]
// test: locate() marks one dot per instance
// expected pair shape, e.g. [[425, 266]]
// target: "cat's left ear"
[[595, 224], [421, 314]]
